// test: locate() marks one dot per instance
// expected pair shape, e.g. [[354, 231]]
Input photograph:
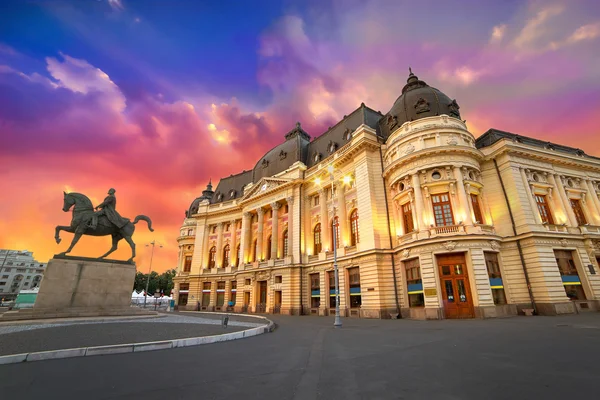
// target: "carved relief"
[[449, 245], [406, 253], [421, 106], [452, 140], [494, 245], [409, 149], [564, 242], [282, 155]]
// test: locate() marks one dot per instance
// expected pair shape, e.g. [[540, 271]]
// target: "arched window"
[[237, 256], [268, 257], [212, 257], [226, 251], [317, 238], [335, 229], [354, 228], [285, 243], [254, 248]]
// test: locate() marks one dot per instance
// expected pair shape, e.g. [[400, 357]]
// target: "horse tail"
[[144, 218]]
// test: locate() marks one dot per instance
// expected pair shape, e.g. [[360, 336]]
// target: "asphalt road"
[[306, 358]]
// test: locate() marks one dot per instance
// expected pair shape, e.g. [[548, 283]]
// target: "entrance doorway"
[[277, 305], [261, 306], [456, 292]]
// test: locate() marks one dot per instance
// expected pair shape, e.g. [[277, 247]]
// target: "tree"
[[162, 282]]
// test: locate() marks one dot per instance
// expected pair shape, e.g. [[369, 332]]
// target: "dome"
[[418, 100], [206, 195]]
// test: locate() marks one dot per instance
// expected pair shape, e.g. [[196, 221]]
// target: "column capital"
[[290, 199], [247, 214], [260, 211], [219, 225], [275, 206]]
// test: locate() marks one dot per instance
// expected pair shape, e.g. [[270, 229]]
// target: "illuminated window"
[[285, 243], [269, 247], [254, 250], [407, 218], [579, 215], [187, 266], [317, 239], [212, 257], [354, 237], [476, 209], [354, 285], [226, 251], [544, 209], [442, 209], [237, 255]]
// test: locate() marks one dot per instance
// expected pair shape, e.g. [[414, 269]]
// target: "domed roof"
[[206, 195], [418, 100]]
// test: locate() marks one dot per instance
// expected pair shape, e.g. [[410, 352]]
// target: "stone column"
[[246, 236], [324, 220], [233, 252], [260, 234], [462, 196], [219, 258], [593, 198], [290, 228], [418, 203], [205, 246], [399, 217], [560, 201], [275, 230], [565, 198], [181, 262], [342, 216], [486, 208], [532, 203]]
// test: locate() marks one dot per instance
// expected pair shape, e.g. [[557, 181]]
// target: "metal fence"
[[152, 303]]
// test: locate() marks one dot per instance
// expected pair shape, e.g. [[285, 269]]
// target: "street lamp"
[[150, 269], [338, 321]]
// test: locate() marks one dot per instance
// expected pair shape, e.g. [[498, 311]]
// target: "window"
[[214, 229], [286, 209], [190, 232], [2, 283], [354, 238], [493, 268], [220, 294], [205, 294], [226, 251], [335, 230], [4, 276], [269, 247], [354, 284], [331, 278], [212, 257], [407, 218], [436, 175], [254, 250], [278, 278], [569, 275], [237, 255], [414, 283], [315, 201], [579, 215], [476, 209], [187, 265], [247, 282], [317, 238], [233, 293], [315, 291], [183, 299], [544, 209], [227, 226], [442, 209], [285, 243]]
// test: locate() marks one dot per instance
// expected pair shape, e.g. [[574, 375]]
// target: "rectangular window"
[[354, 285], [4, 276], [183, 299], [205, 294], [407, 217], [544, 209], [315, 290], [331, 279], [496, 283], [220, 293], [233, 293], [579, 215], [315, 201], [569, 275], [442, 209], [187, 266], [414, 283], [184, 286], [278, 278], [247, 282], [476, 209]]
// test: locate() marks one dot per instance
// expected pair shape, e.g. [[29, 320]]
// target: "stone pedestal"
[[82, 287]]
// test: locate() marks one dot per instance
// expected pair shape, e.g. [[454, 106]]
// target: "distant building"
[[19, 270]]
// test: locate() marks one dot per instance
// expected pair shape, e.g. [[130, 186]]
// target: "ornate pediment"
[[265, 185]]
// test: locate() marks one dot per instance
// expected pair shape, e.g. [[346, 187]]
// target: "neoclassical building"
[[429, 222]]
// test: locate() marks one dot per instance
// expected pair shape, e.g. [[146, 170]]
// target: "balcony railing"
[[313, 258], [556, 228], [441, 230], [589, 229]]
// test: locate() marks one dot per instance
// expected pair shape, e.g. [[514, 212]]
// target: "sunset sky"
[[154, 98]]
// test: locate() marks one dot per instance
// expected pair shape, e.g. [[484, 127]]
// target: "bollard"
[[225, 321]]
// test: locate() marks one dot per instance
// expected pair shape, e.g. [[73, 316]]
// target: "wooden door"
[[262, 297], [456, 292]]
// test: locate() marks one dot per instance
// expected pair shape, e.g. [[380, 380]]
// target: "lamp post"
[[150, 269], [338, 321]]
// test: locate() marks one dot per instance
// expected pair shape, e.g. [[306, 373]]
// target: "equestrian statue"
[[106, 221]]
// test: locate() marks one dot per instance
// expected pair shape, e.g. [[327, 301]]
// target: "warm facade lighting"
[[318, 181], [347, 179]]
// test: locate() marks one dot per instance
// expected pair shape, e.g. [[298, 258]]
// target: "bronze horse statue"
[[82, 215]]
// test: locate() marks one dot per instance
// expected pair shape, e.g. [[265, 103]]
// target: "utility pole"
[[150, 269]]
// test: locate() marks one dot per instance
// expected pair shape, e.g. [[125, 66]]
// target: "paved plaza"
[[306, 358]]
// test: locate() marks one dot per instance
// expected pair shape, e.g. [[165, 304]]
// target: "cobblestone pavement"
[[16, 339], [306, 358]]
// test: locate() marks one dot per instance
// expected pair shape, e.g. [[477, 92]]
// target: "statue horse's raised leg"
[[61, 228], [115, 242], [78, 233]]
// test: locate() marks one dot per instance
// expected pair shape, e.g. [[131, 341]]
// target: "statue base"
[[82, 287]]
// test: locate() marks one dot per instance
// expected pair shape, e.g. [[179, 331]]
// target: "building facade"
[[427, 221], [19, 270]]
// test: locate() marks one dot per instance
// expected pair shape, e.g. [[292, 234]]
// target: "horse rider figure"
[[109, 208]]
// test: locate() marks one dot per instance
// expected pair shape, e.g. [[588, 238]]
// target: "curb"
[[136, 347], [270, 327]]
